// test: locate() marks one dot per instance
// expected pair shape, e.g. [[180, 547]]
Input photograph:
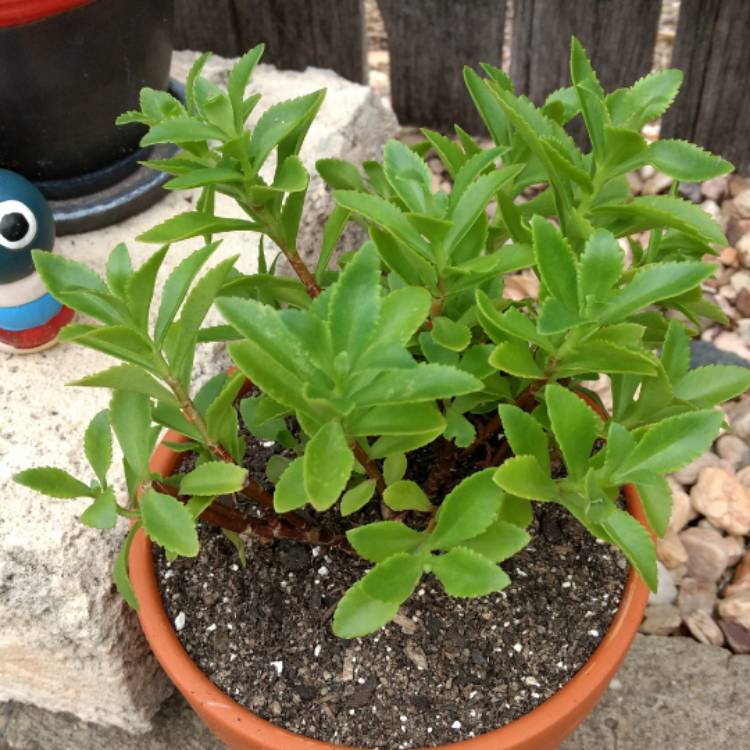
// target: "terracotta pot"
[[544, 728]]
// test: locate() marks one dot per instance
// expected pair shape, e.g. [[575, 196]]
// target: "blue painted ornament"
[[30, 318]]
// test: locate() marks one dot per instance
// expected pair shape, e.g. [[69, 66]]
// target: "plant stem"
[[369, 466]]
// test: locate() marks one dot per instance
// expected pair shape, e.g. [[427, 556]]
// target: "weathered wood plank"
[[430, 41], [712, 49], [206, 25], [618, 35], [297, 33]]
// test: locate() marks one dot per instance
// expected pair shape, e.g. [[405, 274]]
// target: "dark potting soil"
[[445, 670]]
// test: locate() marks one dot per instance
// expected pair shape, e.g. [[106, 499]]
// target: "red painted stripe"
[[17, 12], [34, 337]]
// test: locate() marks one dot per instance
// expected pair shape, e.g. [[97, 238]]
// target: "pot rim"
[[560, 712]]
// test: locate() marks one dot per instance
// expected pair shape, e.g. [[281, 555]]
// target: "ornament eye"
[[17, 225]]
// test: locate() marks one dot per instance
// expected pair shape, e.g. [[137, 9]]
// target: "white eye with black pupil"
[[17, 225]]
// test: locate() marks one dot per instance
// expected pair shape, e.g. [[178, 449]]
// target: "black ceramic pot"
[[68, 68]]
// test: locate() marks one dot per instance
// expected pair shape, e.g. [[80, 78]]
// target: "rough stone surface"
[[723, 500], [682, 508], [671, 551], [67, 642], [707, 555], [670, 694], [666, 591]]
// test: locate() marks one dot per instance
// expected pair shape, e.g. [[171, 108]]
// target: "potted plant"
[[401, 410]]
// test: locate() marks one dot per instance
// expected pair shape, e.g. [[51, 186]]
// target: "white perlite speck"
[[179, 621], [456, 725], [518, 648], [278, 666]]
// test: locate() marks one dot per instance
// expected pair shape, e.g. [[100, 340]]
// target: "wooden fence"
[[430, 40]]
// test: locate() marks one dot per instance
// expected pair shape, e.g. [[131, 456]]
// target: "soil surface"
[[447, 669]]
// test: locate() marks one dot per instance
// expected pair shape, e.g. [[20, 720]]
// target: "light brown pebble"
[[661, 619], [671, 551], [707, 555], [734, 449], [704, 628], [695, 595], [723, 500], [736, 609], [689, 474]]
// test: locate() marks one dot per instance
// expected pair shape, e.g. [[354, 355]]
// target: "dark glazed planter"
[[68, 68]]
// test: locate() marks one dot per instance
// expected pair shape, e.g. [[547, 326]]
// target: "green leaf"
[[194, 224], [657, 211], [574, 425], [670, 444], [473, 202], [653, 283], [120, 569], [328, 464], [377, 541], [675, 353], [354, 307], [280, 121], [117, 341], [656, 498], [499, 542], [624, 150], [636, 544], [646, 100], [465, 573], [475, 166], [213, 478], [75, 285], [590, 96], [402, 313], [511, 323], [238, 543], [358, 614], [600, 267], [515, 358], [102, 513], [406, 495], [182, 129], [488, 107], [239, 77], [404, 261], [128, 378], [468, 510], [357, 497], [394, 468], [97, 444], [458, 428], [450, 153], [524, 477], [139, 290], [290, 491], [713, 384], [385, 216], [169, 523], [525, 435], [53, 482], [556, 262], [408, 175], [176, 288], [394, 579], [340, 174], [195, 309], [425, 382], [451, 335], [201, 177], [686, 161], [130, 416], [597, 355], [335, 225], [119, 269]]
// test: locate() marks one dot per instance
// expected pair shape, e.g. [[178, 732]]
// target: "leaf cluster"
[[409, 344]]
